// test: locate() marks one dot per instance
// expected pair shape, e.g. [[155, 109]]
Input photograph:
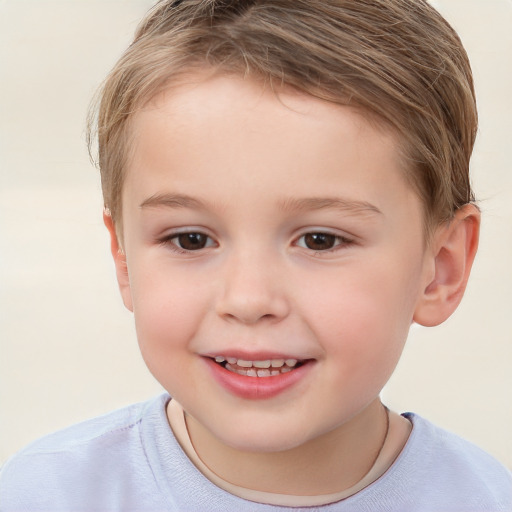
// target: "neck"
[[327, 464]]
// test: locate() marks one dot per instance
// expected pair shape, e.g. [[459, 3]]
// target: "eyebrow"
[[337, 203], [172, 201], [293, 205]]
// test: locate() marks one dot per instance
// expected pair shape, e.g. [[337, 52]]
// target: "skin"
[[255, 172]]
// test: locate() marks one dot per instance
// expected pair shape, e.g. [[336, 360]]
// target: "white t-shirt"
[[130, 461]]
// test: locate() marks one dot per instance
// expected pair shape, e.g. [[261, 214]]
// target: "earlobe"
[[119, 261], [453, 250]]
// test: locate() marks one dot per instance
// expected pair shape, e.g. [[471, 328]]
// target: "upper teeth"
[[274, 363]]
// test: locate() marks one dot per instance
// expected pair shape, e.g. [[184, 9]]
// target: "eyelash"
[[339, 242], [168, 242]]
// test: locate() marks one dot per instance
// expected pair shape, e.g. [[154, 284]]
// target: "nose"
[[252, 290]]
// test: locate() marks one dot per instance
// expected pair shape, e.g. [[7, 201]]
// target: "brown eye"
[[191, 241], [320, 241]]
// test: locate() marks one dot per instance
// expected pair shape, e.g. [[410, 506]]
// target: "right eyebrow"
[[172, 201]]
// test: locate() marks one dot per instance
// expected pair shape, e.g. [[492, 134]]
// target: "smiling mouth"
[[266, 368]]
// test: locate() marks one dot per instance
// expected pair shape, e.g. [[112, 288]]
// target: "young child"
[[286, 189]]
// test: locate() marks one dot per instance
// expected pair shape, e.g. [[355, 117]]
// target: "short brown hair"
[[397, 60]]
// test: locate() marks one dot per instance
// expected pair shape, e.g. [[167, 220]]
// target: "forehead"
[[202, 92], [198, 99], [208, 132]]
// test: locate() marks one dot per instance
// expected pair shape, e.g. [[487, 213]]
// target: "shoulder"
[[91, 456], [438, 444], [448, 467], [83, 436], [82, 433]]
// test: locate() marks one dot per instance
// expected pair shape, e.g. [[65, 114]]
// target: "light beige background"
[[68, 348]]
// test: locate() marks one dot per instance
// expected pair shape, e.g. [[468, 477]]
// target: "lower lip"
[[256, 388]]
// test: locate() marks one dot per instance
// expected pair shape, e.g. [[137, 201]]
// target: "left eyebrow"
[[337, 203]]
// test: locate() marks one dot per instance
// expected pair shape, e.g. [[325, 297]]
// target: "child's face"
[[304, 242]]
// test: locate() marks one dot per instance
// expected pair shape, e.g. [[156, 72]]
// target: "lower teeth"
[[256, 372]]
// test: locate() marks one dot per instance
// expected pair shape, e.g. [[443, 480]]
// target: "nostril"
[[247, 316], [250, 296]]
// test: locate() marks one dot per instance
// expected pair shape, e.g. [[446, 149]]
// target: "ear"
[[119, 261], [453, 248]]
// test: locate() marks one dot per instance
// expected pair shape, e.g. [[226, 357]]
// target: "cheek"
[[362, 333], [167, 313], [363, 320]]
